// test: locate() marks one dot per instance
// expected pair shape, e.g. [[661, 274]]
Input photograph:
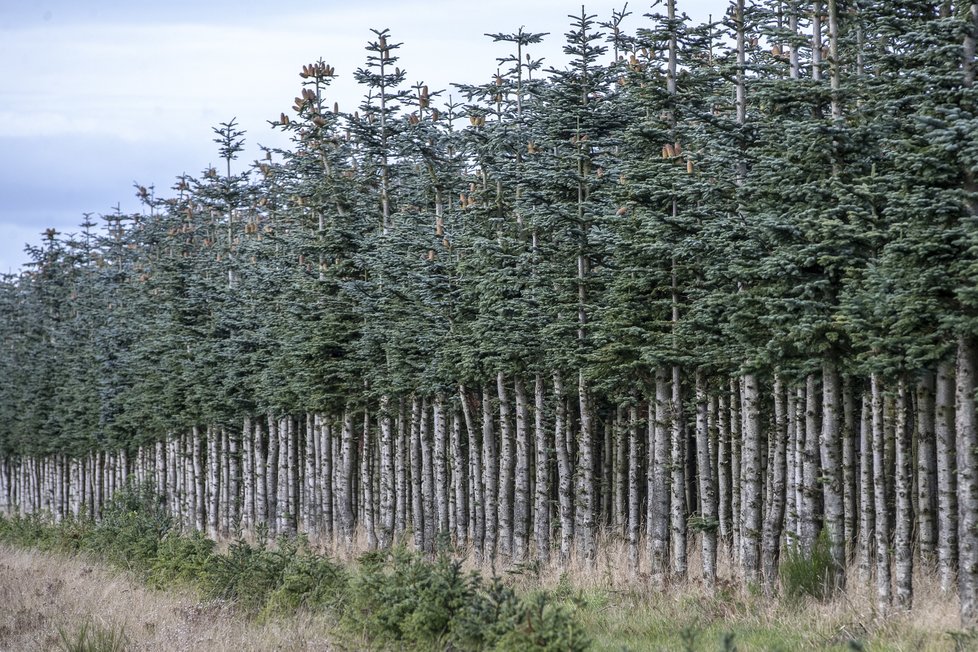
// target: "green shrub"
[[399, 598], [808, 575], [92, 637], [308, 581], [133, 524], [246, 574], [181, 560]]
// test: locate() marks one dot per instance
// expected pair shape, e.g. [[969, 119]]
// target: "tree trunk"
[[926, 469], [476, 477], [541, 505], [441, 465], [723, 472], [883, 594], [460, 480], [810, 472], [261, 476], [659, 498], [947, 480], [867, 501], [565, 473], [707, 492], [401, 470], [506, 467], [830, 447], [521, 492], [367, 481], [736, 465], [490, 466], [200, 509], [634, 489], [417, 474], [213, 486], [271, 475], [967, 459], [247, 476], [903, 530], [324, 427], [751, 479], [310, 505], [345, 484], [428, 479], [387, 474], [774, 520], [850, 475]]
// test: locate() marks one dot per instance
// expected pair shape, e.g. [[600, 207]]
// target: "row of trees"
[[706, 284]]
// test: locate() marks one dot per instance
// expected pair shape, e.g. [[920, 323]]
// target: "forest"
[[708, 290]]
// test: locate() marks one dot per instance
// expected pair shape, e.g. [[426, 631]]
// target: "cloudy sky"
[[99, 94]]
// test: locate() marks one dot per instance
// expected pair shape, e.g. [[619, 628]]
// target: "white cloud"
[[135, 95]]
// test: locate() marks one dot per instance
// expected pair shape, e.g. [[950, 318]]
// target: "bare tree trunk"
[[707, 492], [506, 467], [810, 473], [387, 474], [490, 467], [751, 480], [867, 501], [476, 477], [774, 520], [947, 480], [460, 479], [831, 459], [850, 475], [585, 526], [271, 475], [234, 482], [428, 479], [441, 465], [926, 469], [324, 427], [541, 505], [521, 492], [345, 484], [659, 498], [310, 505], [261, 476], [736, 465], [618, 433], [213, 486], [565, 474], [634, 489], [367, 481], [723, 472], [200, 512], [967, 459], [401, 470], [248, 476], [883, 593], [283, 507], [903, 530], [791, 489], [417, 491]]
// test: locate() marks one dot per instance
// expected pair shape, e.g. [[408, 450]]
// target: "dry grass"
[[42, 595], [623, 610]]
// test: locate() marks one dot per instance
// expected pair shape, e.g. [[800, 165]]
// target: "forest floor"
[[48, 600]]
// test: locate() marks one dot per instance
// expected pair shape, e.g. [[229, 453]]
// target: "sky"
[[96, 95]]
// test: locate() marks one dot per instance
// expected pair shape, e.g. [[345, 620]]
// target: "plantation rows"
[[707, 291]]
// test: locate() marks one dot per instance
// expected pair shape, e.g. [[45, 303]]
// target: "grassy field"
[[48, 598], [47, 602], [127, 584]]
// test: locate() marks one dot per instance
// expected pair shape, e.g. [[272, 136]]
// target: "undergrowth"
[[392, 599]]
